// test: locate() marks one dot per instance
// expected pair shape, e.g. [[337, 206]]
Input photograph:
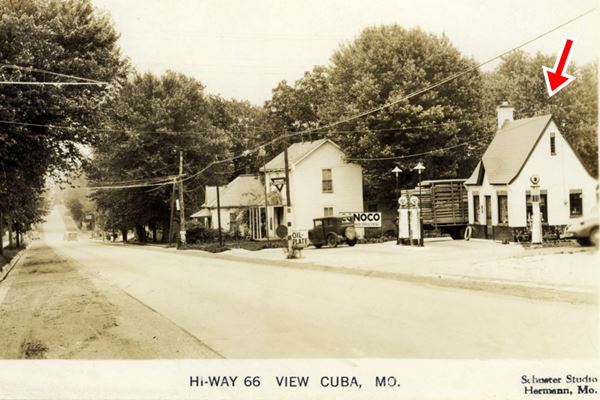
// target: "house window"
[[328, 211], [502, 209], [552, 143], [327, 181], [575, 203], [543, 207], [476, 208]]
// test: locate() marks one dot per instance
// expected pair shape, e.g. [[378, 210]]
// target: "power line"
[[446, 80], [32, 69], [56, 84], [415, 154], [436, 150]]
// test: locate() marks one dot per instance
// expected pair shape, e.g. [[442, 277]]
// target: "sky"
[[242, 48]]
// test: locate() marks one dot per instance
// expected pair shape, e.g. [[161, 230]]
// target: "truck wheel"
[[468, 233], [332, 241], [352, 242]]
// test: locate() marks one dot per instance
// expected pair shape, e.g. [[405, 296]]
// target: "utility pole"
[[263, 153], [288, 198], [219, 216], [182, 227], [172, 212]]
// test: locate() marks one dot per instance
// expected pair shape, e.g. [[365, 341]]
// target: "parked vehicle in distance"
[[70, 236], [585, 229], [332, 231]]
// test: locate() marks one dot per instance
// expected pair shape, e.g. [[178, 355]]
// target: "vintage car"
[[584, 229], [332, 231]]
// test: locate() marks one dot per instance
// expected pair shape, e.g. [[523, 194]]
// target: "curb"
[[531, 291], [7, 268]]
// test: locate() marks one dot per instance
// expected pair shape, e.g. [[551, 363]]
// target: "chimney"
[[505, 113]]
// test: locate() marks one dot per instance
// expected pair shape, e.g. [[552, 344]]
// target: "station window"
[[328, 211], [575, 203], [552, 144]]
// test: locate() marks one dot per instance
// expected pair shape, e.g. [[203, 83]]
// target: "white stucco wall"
[[308, 199], [558, 173], [486, 189], [225, 223]]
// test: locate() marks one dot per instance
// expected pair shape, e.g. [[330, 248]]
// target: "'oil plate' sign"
[[366, 219]]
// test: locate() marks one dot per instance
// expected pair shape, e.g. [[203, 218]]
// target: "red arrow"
[[556, 79]]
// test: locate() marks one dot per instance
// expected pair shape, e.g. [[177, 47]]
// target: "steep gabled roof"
[[476, 177], [510, 149], [296, 153]]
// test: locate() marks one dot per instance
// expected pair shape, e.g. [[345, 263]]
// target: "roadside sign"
[[299, 239], [278, 182], [366, 219]]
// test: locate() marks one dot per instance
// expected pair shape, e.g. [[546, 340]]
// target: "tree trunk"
[[18, 231], [165, 232], [124, 235], [1, 235], [10, 234], [154, 233]]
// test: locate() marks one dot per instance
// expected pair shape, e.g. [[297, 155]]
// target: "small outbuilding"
[[499, 189]]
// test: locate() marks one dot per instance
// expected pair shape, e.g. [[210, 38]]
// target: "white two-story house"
[[499, 189], [322, 184]]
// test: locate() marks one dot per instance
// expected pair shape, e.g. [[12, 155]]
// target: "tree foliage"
[[151, 122], [519, 79], [383, 65], [66, 37]]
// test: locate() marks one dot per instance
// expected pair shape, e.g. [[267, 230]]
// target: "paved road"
[[241, 310]]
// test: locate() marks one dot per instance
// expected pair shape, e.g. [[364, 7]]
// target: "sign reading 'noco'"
[[366, 219]]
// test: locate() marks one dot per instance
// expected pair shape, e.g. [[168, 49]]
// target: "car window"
[[318, 223]]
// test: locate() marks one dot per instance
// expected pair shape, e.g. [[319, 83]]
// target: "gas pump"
[[415, 223], [403, 225], [536, 217]]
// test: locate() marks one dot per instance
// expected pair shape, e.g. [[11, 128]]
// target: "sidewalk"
[[557, 273]]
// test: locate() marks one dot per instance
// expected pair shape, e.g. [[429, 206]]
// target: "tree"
[[384, 65], [245, 126], [66, 37], [152, 121], [519, 79]]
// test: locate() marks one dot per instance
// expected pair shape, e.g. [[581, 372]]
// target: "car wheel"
[[352, 242], [594, 237], [319, 245], [583, 241], [332, 241]]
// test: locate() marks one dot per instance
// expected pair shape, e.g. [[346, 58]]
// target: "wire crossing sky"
[[242, 49]]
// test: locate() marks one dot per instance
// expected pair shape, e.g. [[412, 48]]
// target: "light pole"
[[419, 168], [396, 171]]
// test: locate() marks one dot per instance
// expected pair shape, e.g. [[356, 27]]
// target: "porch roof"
[[243, 191]]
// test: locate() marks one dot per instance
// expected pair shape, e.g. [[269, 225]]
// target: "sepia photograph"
[[249, 184]]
